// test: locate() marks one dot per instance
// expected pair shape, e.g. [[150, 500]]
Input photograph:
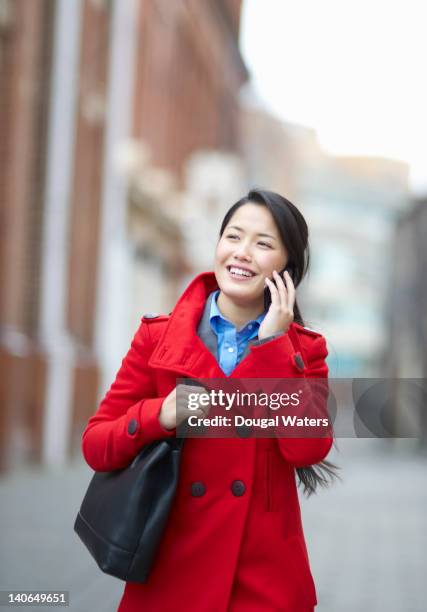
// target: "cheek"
[[221, 253], [270, 261]]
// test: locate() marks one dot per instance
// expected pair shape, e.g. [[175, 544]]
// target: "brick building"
[[80, 81]]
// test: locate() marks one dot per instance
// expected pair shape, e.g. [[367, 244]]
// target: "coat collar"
[[180, 348]]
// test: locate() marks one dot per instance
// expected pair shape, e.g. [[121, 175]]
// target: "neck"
[[239, 314]]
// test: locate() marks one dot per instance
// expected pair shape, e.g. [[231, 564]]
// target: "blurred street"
[[367, 536]]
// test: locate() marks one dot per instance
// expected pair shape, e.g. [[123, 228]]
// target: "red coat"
[[223, 551]]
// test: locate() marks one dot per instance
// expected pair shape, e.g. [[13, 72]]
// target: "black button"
[[132, 426], [244, 431], [299, 362], [238, 488], [198, 489]]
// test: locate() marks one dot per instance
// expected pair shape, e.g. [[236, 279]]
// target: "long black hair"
[[293, 232]]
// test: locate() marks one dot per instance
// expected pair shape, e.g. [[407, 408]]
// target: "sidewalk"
[[367, 536], [39, 547]]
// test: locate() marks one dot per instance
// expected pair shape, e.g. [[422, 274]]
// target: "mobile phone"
[[267, 294]]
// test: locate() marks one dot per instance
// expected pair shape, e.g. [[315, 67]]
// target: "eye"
[[265, 244], [232, 236]]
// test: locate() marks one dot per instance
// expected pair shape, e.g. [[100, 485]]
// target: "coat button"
[[299, 362], [238, 487], [244, 431], [132, 426], [151, 315], [198, 489]]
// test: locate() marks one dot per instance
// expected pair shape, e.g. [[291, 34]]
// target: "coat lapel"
[[205, 331], [180, 348]]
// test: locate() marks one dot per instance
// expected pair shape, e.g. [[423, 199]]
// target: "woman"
[[234, 539]]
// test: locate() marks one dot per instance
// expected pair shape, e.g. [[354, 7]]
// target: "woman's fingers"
[[188, 408], [275, 299], [282, 290], [290, 290]]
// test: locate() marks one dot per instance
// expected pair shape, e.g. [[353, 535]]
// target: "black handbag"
[[123, 514]]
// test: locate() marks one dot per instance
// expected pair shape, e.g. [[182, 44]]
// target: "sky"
[[351, 69]]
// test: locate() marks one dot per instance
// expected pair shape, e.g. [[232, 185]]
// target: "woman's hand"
[[281, 312], [174, 411]]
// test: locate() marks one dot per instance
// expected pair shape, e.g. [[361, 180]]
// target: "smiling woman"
[[234, 540], [248, 252], [269, 230]]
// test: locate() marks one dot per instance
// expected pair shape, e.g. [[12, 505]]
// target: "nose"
[[242, 253]]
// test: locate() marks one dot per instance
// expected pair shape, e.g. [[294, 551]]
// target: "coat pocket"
[[268, 480]]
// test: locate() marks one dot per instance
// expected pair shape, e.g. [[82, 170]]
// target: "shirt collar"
[[216, 316]]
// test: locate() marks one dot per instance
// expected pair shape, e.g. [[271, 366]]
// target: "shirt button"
[[230, 349]]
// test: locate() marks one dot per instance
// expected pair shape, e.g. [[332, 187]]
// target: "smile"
[[240, 274]]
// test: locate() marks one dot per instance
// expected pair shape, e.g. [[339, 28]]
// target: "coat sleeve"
[[128, 416], [303, 452], [300, 452]]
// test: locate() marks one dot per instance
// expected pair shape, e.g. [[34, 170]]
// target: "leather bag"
[[124, 512]]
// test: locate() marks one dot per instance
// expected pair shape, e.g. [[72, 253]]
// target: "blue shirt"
[[231, 343]]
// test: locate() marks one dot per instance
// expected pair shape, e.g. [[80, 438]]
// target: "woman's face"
[[249, 250]]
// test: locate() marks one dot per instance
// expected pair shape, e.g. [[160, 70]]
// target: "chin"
[[236, 291]]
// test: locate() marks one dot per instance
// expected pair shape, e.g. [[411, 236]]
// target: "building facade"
[[406, 356], [103, 103]]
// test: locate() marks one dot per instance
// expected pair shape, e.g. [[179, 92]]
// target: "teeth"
[[240, 272]]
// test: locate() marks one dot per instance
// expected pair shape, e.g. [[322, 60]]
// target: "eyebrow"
[[260, 234]]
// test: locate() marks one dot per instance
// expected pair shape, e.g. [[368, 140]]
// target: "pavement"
[[366, 535]]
